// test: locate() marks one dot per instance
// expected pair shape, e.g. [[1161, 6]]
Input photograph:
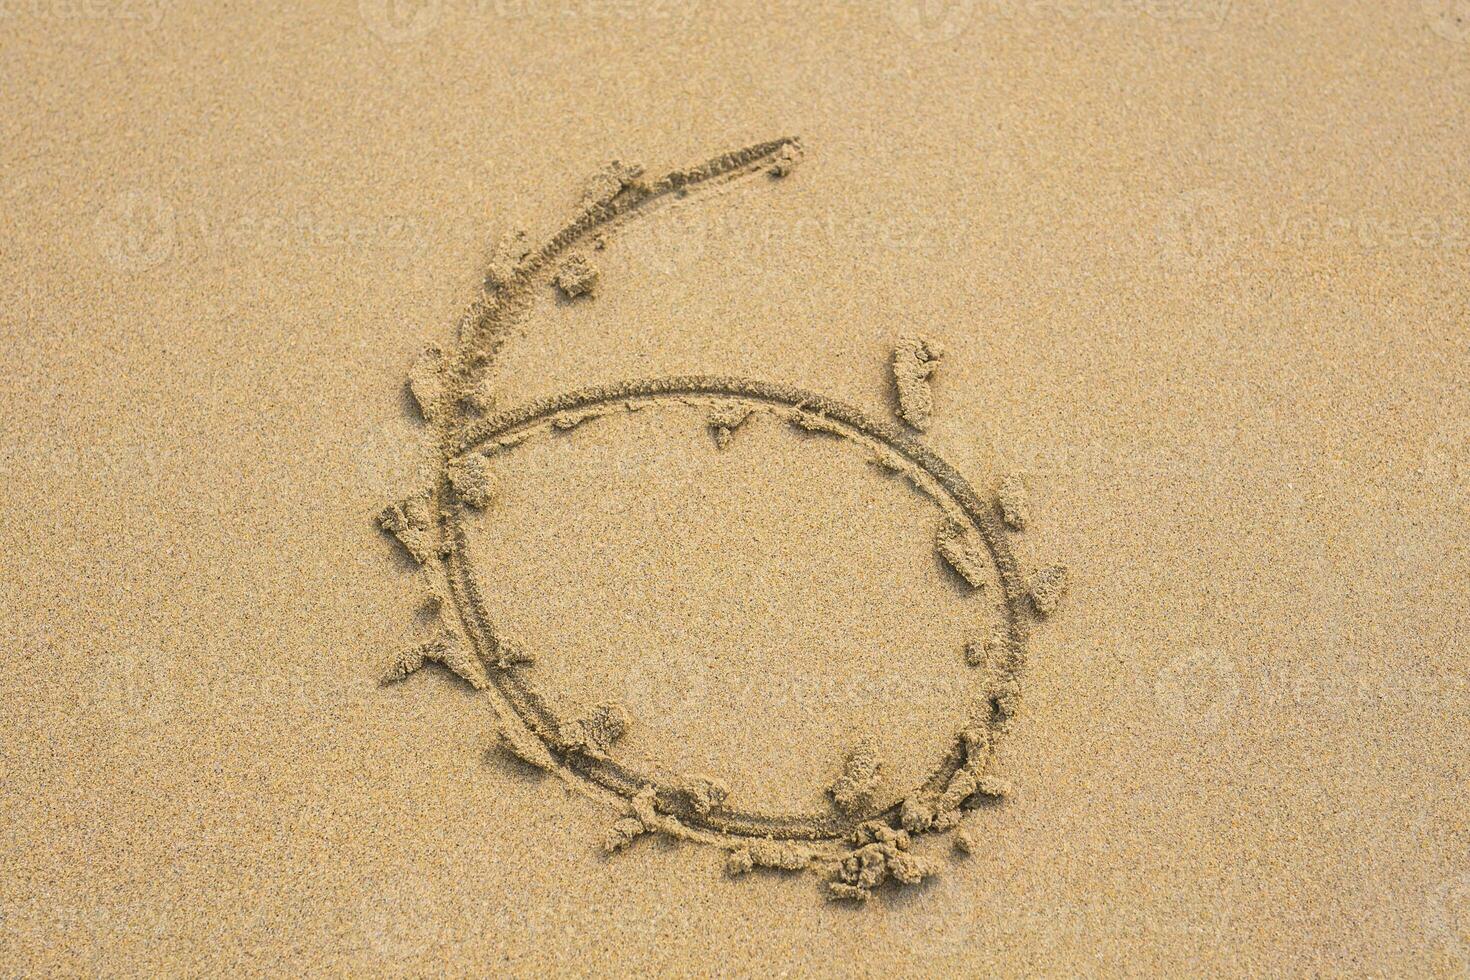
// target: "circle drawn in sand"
[[861, 843], [734, 397]]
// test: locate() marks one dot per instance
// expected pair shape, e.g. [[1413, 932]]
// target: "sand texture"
[[607, 488]]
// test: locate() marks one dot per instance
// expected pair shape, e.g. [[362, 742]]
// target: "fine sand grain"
[[892, 489]]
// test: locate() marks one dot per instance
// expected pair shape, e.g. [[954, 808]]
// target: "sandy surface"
[[1199, 269]]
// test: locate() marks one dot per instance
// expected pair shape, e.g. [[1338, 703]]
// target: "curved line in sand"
[[532, 709]]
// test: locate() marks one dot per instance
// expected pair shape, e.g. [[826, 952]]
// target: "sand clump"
[[961, 553], [520, 744], [471, 478], [1015, 503], [888, 461], [567, 421], [1047, 586], [576, 277], [508, 655], [779, 855], [444, 650], [622, 833], [914, 360], [786, 160], [426, 381], [1002, 661], [411, 521], [979, 650], [701, 794], [432, 593], [642, 818], [855, 788], [603, 187], [505, 259], [814, 422], [881, 854], [594, 734], [479, 397], [725, 420]]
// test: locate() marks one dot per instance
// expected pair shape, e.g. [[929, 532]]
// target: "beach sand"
[[1183, 285]]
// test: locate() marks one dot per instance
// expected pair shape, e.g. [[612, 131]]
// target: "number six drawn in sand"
[[858, 843]]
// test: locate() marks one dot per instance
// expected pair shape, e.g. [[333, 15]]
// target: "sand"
[[613, 488]]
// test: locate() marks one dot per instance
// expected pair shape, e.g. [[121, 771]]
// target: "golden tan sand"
[[704, 659], [914, 360]]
